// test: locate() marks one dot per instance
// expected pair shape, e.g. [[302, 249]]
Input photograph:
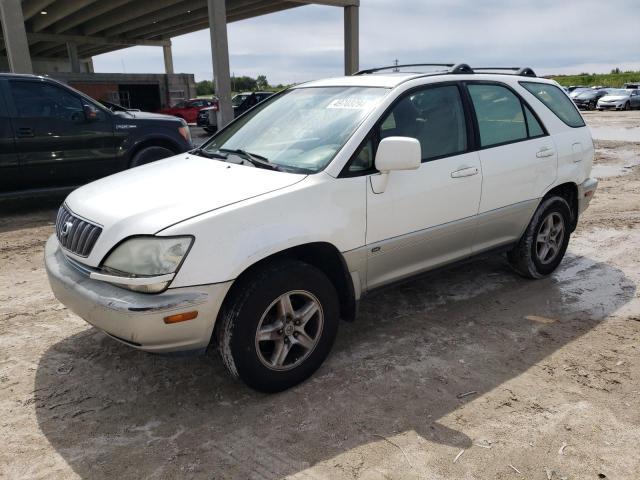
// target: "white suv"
[[260, 240]]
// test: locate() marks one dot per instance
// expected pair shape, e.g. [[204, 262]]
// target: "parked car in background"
[[577, 91], [571, 88], [631, 86], [52, 136], [619, 99], [240, 102], [588, 99], [188, 109], [261, 240]]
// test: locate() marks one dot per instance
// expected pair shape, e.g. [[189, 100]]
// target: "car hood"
[[614, 98], [145, 116], [147, 199]]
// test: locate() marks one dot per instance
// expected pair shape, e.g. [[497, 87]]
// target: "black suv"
[[53, 136]]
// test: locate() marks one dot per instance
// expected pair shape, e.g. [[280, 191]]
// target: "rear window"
[[556, 101]]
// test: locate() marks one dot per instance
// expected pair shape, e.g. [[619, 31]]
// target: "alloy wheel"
[[289, 330], [550, 237]]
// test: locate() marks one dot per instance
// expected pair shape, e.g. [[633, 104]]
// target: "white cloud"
[[306, 42]]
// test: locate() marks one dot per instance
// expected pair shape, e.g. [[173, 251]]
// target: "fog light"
[[180, 317]]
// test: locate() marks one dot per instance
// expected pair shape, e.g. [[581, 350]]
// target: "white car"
[[620, 99], [259, 241]]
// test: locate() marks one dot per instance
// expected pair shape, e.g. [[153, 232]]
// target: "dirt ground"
[[550, 369]]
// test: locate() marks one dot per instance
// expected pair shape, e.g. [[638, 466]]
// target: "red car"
[[188, 109]]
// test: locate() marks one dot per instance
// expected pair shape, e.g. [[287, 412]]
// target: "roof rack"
[[458, 68]]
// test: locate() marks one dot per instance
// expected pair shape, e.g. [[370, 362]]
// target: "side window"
[[535, 130], [39, 99], [433, 116], [499, 114], [556, 101]]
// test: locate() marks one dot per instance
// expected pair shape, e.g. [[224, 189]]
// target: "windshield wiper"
[[203, 153], [255, 159]]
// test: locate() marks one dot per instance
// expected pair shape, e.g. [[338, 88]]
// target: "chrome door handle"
[[545, 152], [465, 172]]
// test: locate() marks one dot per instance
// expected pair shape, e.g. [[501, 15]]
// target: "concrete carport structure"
[[75, 30]]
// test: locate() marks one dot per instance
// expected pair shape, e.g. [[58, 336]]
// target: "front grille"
[[75, 234]]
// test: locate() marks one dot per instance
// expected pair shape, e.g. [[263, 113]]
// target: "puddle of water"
[[620, 134]]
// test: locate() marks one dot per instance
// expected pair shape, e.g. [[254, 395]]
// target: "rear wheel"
[[544, 243], [150, 154], [278, 325]]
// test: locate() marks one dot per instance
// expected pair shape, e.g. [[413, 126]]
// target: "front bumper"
[[610, 106], [586, 191], [136, 319]]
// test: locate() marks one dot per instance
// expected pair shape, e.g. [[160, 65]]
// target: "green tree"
[[261, 82], [205, 87]]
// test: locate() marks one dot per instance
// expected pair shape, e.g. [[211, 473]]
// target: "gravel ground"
[[468, 373]]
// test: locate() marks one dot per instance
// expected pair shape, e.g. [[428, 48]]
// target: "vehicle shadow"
[[29, 212], [113, 412]]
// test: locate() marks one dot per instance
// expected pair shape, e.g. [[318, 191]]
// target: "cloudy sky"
[[552, 36]]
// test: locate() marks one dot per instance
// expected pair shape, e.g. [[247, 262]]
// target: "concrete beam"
[[168, 59], [137, 9], [332, 3], [87, 14], [15, 36], [220, 59], [351, 40], [57, 12], [74, 61], [31, 8], [93, 40], [175, 12]]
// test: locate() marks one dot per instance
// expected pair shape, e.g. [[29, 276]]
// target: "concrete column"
[[74, 61], [168, 58], [351, 46], [90, 65], [15, 36], [220, 58]]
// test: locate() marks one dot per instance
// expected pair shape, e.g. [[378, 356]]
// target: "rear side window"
[[535, 130], [499, 113], [556, 101]]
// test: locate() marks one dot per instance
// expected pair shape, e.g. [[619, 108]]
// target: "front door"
[[56, 144], [425, 217]]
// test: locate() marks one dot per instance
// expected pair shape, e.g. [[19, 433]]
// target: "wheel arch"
[[568, 191], [164, 142], [322, 255]]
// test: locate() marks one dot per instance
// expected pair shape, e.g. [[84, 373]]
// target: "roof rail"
[[522, 71], [458, 68], [373, 70]]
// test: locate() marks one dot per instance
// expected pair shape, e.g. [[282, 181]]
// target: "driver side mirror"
[[90, 113], [395, 153]]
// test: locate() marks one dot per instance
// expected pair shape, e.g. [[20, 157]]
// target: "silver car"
[[620, 99]]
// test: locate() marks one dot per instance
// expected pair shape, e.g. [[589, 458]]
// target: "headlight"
[[146, 257]]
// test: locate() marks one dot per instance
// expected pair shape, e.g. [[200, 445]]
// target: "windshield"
[[238, 99], [618, 91], [302, 129]]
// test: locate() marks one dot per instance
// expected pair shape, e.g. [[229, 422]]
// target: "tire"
[[210, 129], [592, 106], [150, 154], [259, 303], [627, 106], [528, 257]]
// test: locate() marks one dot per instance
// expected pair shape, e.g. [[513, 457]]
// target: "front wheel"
[[150, 154], [278, 325], [544, 242], [627, 106]]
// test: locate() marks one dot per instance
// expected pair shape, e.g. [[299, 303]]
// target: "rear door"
[[518, 158], [10, 174], [57, 144]]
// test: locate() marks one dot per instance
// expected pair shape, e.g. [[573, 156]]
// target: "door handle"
[[465, 172], [24, 132], [545, 152]]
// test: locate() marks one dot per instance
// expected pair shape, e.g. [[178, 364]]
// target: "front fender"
[[230, 240]]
